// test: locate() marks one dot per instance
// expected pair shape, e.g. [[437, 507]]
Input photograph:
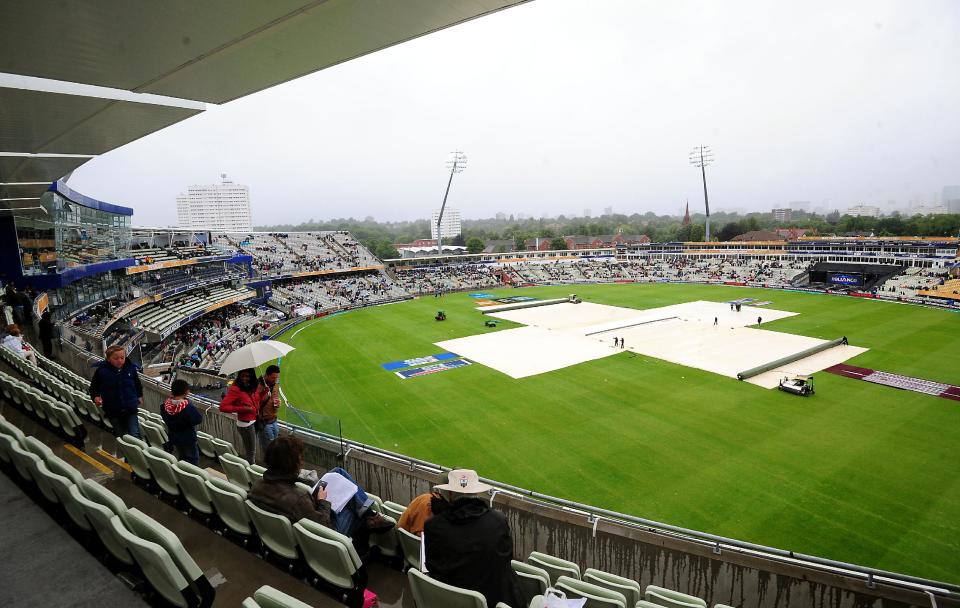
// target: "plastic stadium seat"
[[722, 606], [223, 447], [268, 597], [155, 434], [99, 517], [393, 509], [533, 580], [191, 480], [133, 450], [554, 566], [252, 603], [205, 441], [61, 486], [630, 589], [37, 447], [161, 467], [275, 531], [156, 564], [387, 542], [429, 593], [255, 472], [227, 499], [60, 467], [23, 459], [671, 599], [332, 557], [11, 429], [149, 529], [236, 470], [410, 544], [5, 441], [597, 596]]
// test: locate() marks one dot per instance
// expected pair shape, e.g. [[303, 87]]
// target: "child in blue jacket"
[[182, 418]]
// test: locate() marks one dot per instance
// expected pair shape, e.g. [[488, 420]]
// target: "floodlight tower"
[[456, 164], [701, 156]]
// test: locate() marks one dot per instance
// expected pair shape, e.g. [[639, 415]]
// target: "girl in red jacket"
[[241, 400]]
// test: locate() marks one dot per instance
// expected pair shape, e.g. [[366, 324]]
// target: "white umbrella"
[[254, 355]]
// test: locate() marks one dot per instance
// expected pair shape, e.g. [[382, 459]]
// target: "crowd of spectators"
[[206, 342], [330, 293], [441, 279], [280, 253]]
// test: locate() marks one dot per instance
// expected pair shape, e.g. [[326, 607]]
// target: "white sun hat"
[[464, 481]]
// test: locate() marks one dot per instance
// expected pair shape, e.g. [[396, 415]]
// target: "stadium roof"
[[78, 79]]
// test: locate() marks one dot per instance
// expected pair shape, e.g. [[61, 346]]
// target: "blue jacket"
[[182, 425], [120, 389]]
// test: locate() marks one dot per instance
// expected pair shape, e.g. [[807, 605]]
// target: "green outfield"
[[859, 472]]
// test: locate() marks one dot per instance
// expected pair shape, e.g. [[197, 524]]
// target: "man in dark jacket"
[[45, 332], [468, 545], [182, 418], [116, 388]]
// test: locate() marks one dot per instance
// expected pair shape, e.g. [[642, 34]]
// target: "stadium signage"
[[844, 279], [394, 365], [432, 369]]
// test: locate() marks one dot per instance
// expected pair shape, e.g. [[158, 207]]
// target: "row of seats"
[[130, 537], [223, 504], [59, 417]]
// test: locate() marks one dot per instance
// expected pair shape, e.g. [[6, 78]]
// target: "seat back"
[[629, 588], [156, 564], [393, 509], [554, 566], [533, 579], [161, 467], [387, 542], [23, 460], [268, 597], [155, 434], [227, 499], [135, 456], [328, 553], [11, 429], [101, 495], [236, 470], [41, 475], [191, 480], [60, 467], [222, 447], [410, 544], [274, 530], [662, 596], [255, 472], [430, 593], [205, 441], [99, 517], [61, 486], [596, 596], [5, 441]]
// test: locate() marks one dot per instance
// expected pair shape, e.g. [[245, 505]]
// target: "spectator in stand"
[[241, 399], [421, 509], [15, 342], [116, 388], [469, 545], [182, 418], [268, 397], [45, 331]]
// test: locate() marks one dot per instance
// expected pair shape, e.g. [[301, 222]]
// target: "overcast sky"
[[563, 105]]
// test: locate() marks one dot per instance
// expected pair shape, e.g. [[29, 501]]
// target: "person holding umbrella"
[[241, 400]]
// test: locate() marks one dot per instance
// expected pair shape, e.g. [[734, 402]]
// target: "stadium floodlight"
[[456, 164], [701, 156]]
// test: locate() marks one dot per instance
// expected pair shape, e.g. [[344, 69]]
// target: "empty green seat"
[[5, 441], [227, 499], [533, 579], [11, 429], [149, 529], [597, 596], [155, 434], [410, 544], [101, 495], [332, 557], [274, 530], [671, 599], [236, 470], [99, 517], [430, 593], [37, 447], [393, 509], [191, 480], [41, 476], [156, 564], [554, 566], [256, 472], [629, 588], [60, 467], [161, 464], [722, 606], [268, 597], [223, 447], [61, 486], [133, 450], [387, 542], [205, 442], [23, 459]]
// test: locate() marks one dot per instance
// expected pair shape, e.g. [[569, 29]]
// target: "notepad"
[[339, 490]]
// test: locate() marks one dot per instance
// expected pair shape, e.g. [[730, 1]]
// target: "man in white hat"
[[469, 545]]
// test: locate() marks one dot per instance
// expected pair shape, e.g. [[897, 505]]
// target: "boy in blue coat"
[[182, 418]]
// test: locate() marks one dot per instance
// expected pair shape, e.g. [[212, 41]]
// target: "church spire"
[[686, 216]]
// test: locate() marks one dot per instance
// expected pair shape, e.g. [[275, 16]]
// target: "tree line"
[[380, 237]]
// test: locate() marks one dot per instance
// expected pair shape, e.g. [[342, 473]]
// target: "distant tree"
[[557, 243], [729, 230], [458, 241], [474, 245], [697, 232], [500, 249]]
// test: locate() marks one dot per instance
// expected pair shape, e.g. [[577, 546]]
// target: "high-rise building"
[[223, 207], [951, 198], [799, 206], [450, 225], [587, 212], [501, 216], [782, 215], [864, 211], [608, 210]]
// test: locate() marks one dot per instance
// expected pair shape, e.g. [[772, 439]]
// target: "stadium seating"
[[630, 589], [161, 467], [332, 557], [596, 596], [236, 470], [228, 500], [554, 566], [268, 597], [133, 450], [660, 596], [410, 544], [275, 531], [534, 580], [192, 481]]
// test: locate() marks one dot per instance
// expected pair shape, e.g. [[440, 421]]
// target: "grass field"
[[859, 472]]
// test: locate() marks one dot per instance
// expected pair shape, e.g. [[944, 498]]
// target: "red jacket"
[[240, 403]]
